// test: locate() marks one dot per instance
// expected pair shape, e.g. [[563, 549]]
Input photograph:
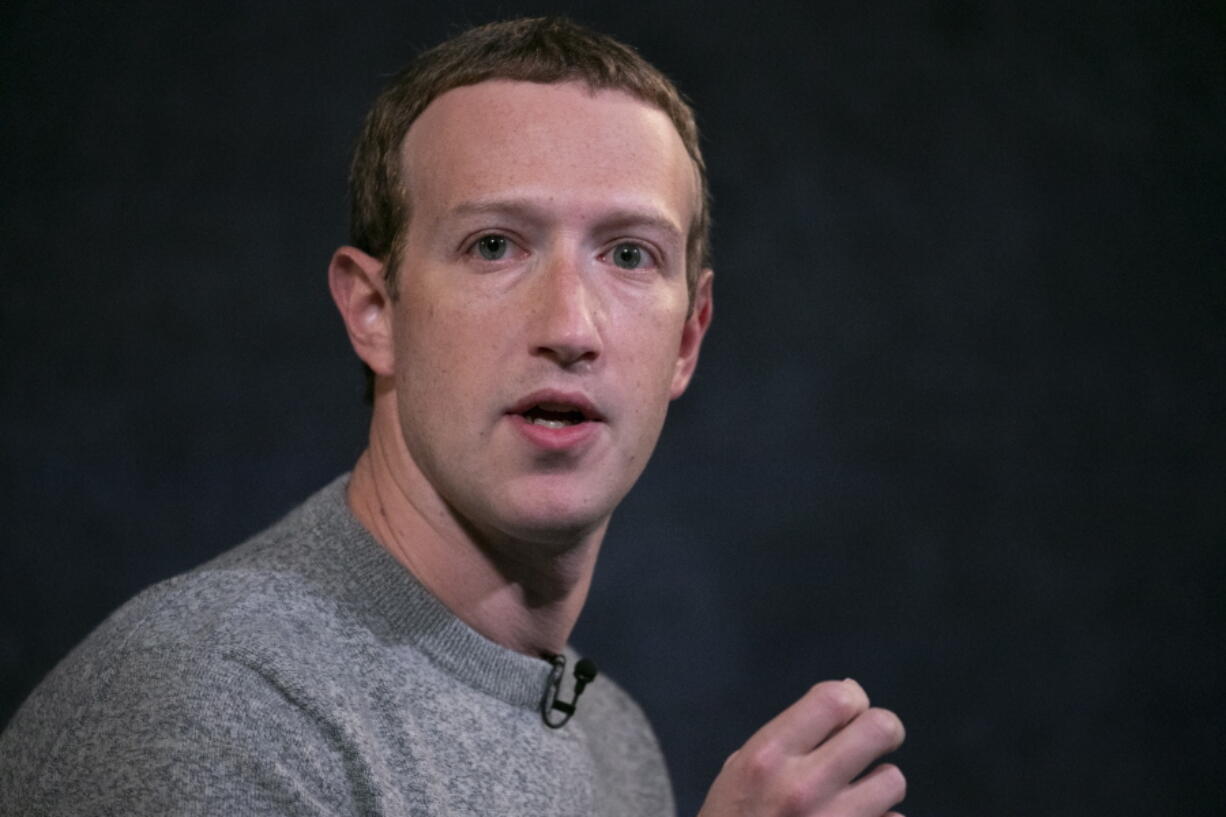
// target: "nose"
[[566, 320]]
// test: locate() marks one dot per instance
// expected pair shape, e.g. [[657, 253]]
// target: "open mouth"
[[554, 415]]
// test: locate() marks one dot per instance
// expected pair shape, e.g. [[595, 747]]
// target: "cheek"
[[425, 375], [657, 343], [434, 344], [650, 366]]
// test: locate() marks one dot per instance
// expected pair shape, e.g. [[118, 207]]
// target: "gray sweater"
[[307, 673]]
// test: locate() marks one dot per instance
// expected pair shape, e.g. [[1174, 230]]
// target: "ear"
[[360, 293], [692, 333]]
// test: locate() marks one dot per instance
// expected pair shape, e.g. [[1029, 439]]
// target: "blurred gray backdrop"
[[957, 431]]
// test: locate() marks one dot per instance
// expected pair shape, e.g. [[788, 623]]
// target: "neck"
[[523, 595]]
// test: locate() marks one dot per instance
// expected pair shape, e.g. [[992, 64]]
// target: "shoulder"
[[607, 703], [190, 677], [183, 632], [276, 589], [284, 589], [624, 748]]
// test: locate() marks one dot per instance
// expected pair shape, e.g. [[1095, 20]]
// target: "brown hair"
[[542, 49]]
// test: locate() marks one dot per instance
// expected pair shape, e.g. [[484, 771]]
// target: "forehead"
[[562, 144]]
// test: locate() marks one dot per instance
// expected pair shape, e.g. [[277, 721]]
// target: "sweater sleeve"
[[160, 734]]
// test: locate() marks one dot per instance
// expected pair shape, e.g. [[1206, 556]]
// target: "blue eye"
[[492, 247], [628, 256]]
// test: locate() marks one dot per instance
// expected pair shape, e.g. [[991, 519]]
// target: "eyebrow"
[[614, 218]]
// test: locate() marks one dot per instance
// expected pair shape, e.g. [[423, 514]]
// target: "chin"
[[562, 530], [557, 520]]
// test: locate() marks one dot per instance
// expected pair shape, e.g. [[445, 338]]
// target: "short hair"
[[545, 50]]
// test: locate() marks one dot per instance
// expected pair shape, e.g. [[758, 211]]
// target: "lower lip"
[[565, 438]]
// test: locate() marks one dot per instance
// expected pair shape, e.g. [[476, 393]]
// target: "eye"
[[493, 247], [629, 256]]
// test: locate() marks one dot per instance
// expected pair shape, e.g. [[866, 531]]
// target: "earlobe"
[[360, 293], [695, 329]]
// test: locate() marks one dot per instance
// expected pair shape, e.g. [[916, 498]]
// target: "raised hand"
[[806, 761]]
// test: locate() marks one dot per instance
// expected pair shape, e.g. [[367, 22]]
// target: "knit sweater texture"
[[306, 672]]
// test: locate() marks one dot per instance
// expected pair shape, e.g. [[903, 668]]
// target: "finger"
[[805, 724], [873, 733], [883, 787]]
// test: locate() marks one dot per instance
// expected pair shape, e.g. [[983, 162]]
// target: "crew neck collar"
[[398, 608]]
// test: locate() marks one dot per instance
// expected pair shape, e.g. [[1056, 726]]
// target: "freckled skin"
[[472, 337]]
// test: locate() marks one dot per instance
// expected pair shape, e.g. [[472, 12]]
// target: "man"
[[528, 288]]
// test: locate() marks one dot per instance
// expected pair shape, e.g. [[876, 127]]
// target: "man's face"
[[543, 321]]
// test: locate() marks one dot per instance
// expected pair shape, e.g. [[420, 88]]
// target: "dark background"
[[957, 431]]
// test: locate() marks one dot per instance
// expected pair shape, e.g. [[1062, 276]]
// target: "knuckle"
[[839, 697], [893, 781], [822, 689], [760, 764], [885, 726], [795, 798]]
